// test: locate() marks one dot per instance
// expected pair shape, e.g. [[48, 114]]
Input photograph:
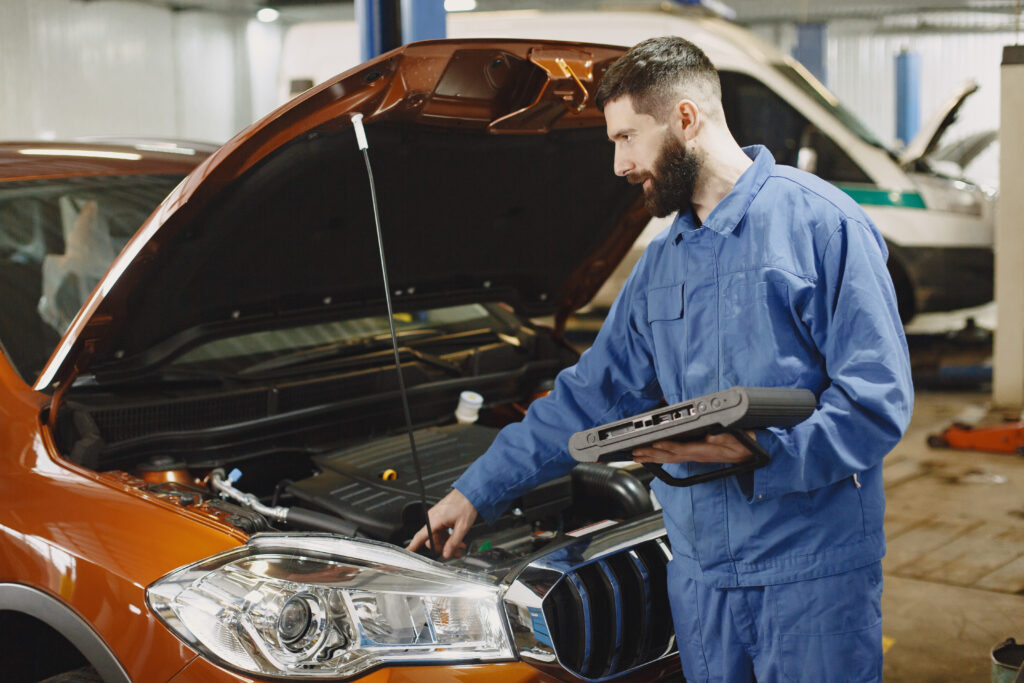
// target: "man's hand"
[[450, 519], [714, 448]]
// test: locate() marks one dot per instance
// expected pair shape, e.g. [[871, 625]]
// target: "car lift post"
[[908, 95], [1008, 358], [387, 24], [379, 27], [423, 20]]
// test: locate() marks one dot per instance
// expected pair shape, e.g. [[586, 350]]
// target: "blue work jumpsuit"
[[775, 573]]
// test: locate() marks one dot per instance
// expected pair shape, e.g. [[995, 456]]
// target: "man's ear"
[[690, 119]]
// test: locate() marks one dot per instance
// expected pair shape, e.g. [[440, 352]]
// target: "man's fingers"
[[714, 448], [730, 443], [697, 452], [418, 540], [421, 539], [450, 519], [459, 530]]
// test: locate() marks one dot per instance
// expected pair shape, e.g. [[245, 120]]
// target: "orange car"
[[206, 472]]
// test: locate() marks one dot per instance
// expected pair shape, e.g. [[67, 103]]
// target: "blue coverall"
[[784, 284]]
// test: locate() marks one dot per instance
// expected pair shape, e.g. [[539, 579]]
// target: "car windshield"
[[58, 237], [826, 99], [254, 352]]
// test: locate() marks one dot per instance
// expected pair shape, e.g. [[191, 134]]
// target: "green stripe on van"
[[872, 196]]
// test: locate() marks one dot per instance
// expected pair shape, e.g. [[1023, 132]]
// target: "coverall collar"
[[727, 214]]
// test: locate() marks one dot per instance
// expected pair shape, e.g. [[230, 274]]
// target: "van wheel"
[[905, 303]]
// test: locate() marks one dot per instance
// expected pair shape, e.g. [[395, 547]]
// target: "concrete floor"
[[954, 571]]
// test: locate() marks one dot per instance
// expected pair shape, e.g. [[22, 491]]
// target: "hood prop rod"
[[357, 126]]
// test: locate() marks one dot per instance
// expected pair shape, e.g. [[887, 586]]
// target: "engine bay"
[[325, 449]]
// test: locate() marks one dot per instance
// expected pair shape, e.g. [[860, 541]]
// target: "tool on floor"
[[1007, 437]]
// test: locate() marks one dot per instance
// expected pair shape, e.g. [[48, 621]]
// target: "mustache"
[[638, 178]]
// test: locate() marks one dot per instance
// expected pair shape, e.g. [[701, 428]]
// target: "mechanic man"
[[768, 276]]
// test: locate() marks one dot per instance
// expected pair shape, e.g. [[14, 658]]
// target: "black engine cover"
[[377, 481]]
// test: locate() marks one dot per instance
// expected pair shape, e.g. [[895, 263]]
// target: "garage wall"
[[861, 69], [865, 78], [70, 68], [317, 51]]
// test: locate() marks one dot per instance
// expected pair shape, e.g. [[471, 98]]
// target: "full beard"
[[673, 179]]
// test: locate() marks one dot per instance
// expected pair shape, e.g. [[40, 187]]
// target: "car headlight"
[[319, 606], [954, 196]]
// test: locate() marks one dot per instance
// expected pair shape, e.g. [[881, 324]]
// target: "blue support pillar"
[[908, 95], [379, 28], [423, 20], [811, 49]]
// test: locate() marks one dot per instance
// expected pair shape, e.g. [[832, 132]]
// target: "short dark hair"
[[657, 72]]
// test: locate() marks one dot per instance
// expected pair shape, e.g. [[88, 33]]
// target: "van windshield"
[[829, 101]]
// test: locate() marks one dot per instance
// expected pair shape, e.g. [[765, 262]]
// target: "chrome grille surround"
[[596, 608]]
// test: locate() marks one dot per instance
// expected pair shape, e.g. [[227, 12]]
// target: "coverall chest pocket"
[[667, 319], [759, 336]]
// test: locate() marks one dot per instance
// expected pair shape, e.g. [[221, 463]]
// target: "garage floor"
[[954, 571]]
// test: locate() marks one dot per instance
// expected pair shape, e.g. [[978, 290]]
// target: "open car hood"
[[927, 139], [494, 179]]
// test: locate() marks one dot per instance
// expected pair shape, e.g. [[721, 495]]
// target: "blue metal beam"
[[908, 95], [423, 20], [811, 49], [379, 29]]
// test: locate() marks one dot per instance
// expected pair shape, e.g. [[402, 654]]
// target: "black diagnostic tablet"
[[734, 411]]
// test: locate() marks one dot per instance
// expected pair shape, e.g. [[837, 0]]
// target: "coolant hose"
[[288, 515]]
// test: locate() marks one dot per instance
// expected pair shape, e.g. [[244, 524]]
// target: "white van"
[[939, 228]]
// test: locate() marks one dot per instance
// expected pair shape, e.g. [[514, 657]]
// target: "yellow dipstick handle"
[[389, 475]]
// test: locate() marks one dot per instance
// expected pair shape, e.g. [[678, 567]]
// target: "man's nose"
[[622, 164]]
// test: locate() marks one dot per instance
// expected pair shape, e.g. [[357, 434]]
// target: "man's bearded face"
[[672, 179]]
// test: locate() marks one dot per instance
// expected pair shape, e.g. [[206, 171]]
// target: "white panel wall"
[[318, 50], [111, 68]]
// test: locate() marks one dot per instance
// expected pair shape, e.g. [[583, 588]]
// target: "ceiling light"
[[267, 15], [166, 148], [92, 153], [459, 5]]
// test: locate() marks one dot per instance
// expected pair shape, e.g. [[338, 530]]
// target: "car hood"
[[494, 181], [927, 139], [966, 150]]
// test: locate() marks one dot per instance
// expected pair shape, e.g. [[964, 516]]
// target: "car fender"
[[61, 618]]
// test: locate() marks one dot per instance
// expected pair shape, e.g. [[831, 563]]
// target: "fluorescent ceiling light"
[[167, 148], [267, 15], [459, 5], [92, 153]]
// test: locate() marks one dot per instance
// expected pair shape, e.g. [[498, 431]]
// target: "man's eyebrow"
[[621, 133]]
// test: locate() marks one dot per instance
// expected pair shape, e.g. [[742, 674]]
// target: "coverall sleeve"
[[865, 409], [613, 378]]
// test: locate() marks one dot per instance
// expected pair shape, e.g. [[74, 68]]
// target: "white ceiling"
[[747, 11]]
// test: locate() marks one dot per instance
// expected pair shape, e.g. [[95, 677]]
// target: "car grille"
[[596, 609], [611, 616]]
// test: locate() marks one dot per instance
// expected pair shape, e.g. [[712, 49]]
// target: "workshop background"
[[204, 69]]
